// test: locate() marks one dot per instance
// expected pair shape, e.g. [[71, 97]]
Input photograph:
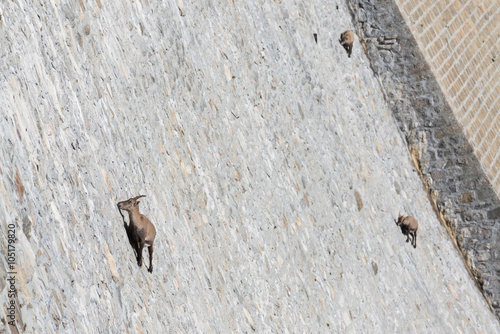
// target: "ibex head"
[[130, 204], [400, 219]]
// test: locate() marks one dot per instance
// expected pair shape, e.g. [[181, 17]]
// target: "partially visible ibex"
[[347, 40], [409, 227], [142, 231]]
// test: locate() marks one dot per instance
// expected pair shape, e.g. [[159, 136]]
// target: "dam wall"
[[272, 165], [437, 65]]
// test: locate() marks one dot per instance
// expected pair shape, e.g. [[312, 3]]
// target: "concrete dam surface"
[[272, 167]]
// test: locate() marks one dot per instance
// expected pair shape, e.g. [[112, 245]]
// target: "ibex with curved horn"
[[142, 231], [409, 227]]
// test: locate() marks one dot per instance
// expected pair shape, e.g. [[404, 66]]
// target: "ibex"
[[142, 231], [409, 227], [347, 40]]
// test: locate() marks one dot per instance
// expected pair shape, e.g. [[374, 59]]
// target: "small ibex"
[[142, 231], [409, 227], [347, 40]]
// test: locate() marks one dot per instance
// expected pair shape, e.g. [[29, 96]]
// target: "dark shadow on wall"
[[131, 239]]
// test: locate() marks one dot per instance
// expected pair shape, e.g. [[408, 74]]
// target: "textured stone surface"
[[250, 141], [439, 146]]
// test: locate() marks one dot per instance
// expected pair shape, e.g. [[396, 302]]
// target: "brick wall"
[[461, 42]]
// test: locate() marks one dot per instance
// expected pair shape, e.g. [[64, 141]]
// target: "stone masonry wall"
[[440, 147], [272, 167]]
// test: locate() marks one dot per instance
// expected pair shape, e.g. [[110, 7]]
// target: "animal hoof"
[[150, 269]]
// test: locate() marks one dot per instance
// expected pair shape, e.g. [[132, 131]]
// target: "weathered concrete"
[[272, 165]]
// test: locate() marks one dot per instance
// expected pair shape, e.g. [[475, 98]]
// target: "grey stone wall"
[[457, 184], [272, 166]]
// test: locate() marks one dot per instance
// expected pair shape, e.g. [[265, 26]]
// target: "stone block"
[[494, 214], [467, 197]]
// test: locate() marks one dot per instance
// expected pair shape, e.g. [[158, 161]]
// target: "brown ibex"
[[409, 227], [347, 40], [141, 231]]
